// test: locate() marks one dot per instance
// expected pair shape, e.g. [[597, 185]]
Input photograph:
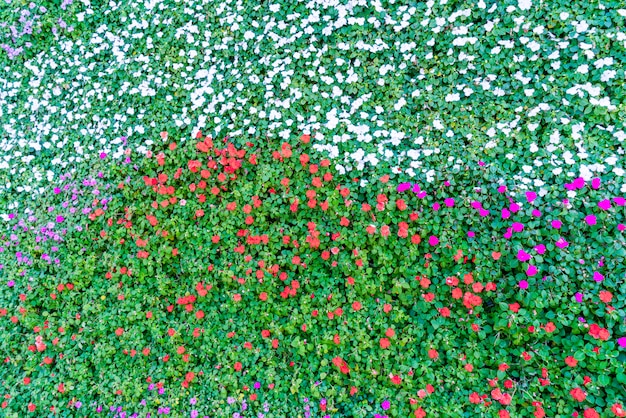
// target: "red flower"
[[618, 410], [578, 394], [590, 413], [474, 398], [356, 306], [237, 366], [384, 343], [419, 413], [395, 379], [433, 354]]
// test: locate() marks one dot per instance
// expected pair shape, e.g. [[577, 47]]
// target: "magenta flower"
[[619, 201], [531, 271], [385, 405], [103, 155], [515, 207], [579, 297], [556, 224], [506, 214], [590, 219], [540, 248], [536, 213], [403, 187], [595, 183], [436, 206], [449, 202], [471, 234], [621, 341], [604, 204], [523, 284], [530, 196], [433, 240], [501, 189], [597, 276], [621, 227], [517, 227], [523, 256], [561, 243]]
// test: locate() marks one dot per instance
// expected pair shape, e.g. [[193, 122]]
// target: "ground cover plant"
[[312, 209]]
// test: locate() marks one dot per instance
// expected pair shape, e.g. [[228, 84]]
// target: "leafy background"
[[539, 109]]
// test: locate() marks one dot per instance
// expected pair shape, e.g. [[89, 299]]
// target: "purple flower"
[[194, 413], [10, 283], [385, 405], [257, 385], [193, 401], [78, 404]]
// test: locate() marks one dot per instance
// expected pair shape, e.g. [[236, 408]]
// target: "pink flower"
[[523, 256], [403, 187], [561, 243], [515, 207], [590, 219], [449, 202], [595, 183], [536, 213], [506, 214], [604, 204], [523, 284], [517, 227], [531, 271], [556, 224], [436, 206], [540, 248], [433, 240]]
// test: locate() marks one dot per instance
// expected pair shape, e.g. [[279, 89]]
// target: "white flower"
[[524, 4], [453, 97]]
